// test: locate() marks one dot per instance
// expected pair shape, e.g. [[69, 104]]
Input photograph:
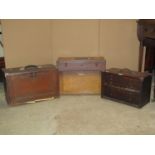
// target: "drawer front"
[[33, 85], [121, 81], [98, 66], [80, 82], [129, 96]]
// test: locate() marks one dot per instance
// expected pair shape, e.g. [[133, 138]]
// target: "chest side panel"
[[34, 85], [121, 81]]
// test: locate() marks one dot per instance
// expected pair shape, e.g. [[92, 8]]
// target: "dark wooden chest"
[[31, 83], [2, 65], [126, 86], [81, 64]]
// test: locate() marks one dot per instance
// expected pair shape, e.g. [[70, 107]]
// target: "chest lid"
[[29, 69], [128, 72], [79, 59]]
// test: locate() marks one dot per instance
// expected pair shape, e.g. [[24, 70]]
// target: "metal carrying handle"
[[30, 67]]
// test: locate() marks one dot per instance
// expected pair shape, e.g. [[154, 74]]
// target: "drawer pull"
[[120, 74], [81, 74]]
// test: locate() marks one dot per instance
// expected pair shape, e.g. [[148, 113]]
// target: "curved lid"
[[128, 72], [78, 59], [146, 21]]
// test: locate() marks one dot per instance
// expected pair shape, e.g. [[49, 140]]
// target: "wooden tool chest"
[[126, 86], [81, 64], [80, 75], [31, 83]]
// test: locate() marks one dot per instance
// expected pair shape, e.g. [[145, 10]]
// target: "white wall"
[[43, 41]]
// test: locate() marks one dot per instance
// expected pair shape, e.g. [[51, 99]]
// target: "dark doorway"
[[2, 60], [149, 59], [2, 65]]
